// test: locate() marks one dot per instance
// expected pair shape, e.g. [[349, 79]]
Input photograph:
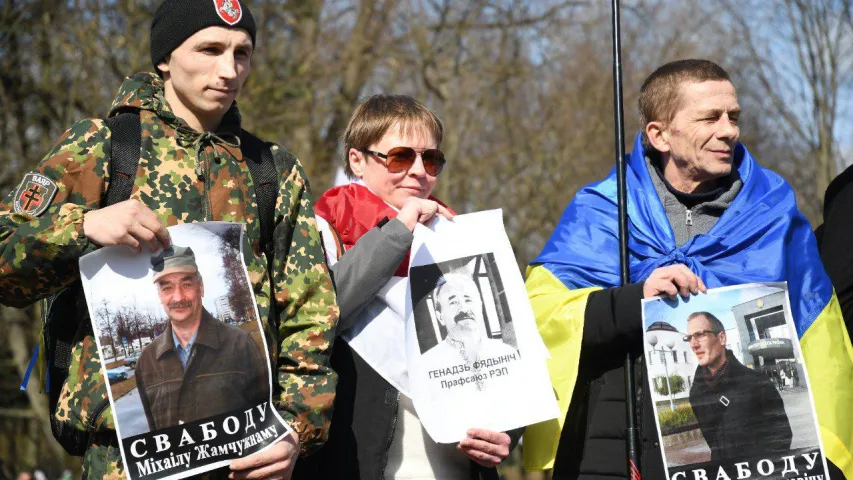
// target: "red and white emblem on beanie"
[[229, 11]]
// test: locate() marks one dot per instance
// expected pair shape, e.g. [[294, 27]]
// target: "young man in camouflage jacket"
[[191, 169]]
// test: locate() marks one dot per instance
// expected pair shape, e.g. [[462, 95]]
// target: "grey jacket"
[[366, 268], [686, 222]]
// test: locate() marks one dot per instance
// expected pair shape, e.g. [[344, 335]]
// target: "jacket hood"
[[145, 91], [140, 91], [735, 369]]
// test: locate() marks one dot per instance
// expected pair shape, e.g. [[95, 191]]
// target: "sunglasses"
[[401, 159], [700, 335]]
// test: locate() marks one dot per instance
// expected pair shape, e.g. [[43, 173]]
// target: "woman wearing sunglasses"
[[393, 159]]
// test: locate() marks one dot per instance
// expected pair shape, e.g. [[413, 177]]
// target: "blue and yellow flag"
[[761, 237]]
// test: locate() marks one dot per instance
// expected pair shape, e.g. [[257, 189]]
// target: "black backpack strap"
[[64, 314], [124, 155], [266, 177], [258, 157]]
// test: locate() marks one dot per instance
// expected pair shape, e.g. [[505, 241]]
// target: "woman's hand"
[[485, 447], [420, 210]]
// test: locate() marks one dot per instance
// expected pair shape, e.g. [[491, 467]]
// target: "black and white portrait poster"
[[183, 352], [475, 357], [730, 389]]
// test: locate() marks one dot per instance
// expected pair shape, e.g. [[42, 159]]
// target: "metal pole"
[[622, 201]]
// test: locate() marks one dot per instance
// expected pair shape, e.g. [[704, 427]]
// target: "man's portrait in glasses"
[[739, 411]]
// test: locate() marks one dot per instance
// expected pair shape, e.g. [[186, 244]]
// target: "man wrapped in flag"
[[701, 212]]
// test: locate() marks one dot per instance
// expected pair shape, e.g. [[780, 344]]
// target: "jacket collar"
[[208, 335], [145, 91], [734, 366], [719, 198], [353, 210]]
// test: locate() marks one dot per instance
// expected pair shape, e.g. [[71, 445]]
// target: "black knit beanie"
[[177, 20]]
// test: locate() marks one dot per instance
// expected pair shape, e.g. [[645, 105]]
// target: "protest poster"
[[729, 386], [475, 357], [183, 352]]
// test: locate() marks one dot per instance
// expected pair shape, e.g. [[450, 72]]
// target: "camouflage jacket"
[[184, 176]]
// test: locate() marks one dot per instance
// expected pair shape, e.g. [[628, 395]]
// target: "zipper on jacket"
[[207, 187], [202, 171], [96, 413], [688, 218]]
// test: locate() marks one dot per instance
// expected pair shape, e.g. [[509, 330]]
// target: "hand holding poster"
[[475, 357], [184, 352], [730, 389]]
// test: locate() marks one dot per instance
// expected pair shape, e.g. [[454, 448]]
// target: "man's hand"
[[276, 463], [419, 210], [485, 447], [128, 223], [673, 280]]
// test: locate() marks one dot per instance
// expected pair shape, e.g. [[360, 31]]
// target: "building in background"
[[224, 313], [770, 347]]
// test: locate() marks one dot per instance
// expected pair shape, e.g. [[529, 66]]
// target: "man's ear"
[[723, 338], [658, 136], [357, 162], [438, 315], [163, 66]]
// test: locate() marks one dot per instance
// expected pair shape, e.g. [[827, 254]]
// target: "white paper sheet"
[[735, 395], [130, 323], [475, 357]]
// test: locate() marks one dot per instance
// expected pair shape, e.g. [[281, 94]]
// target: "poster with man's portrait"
[[183, 352], [475, 357], [729, 385], [462, 302]]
